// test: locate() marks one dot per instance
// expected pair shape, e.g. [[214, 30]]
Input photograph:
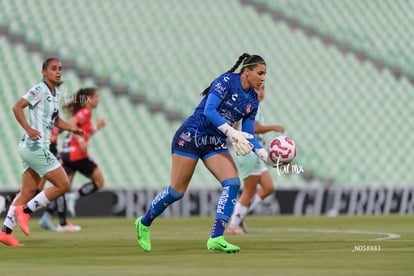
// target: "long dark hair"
[[249, 61], [79, 100]]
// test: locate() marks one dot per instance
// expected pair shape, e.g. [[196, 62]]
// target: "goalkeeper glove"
[[238, 139], [264, 155]]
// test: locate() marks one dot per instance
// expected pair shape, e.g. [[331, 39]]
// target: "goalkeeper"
[[229, 98]]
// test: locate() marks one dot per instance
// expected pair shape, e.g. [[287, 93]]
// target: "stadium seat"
[[343, 113]]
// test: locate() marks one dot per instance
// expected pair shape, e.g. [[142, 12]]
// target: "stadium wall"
[[312, 201]]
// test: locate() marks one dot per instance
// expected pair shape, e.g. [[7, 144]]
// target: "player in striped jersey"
[[230, 98], [43, 103], [58, 205]]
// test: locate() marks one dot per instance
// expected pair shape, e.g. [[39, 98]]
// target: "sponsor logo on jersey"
[[219, 88]]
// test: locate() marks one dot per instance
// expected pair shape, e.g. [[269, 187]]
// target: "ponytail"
[[242, 58], [79, 100]]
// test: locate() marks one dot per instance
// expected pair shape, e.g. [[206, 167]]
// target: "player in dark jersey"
[[230, 98], [74, 153]]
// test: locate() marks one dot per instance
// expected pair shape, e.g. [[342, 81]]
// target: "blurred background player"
[[254, 172], [43, 100], [3, 204], [230, 98], [74, 154], [59, 204]]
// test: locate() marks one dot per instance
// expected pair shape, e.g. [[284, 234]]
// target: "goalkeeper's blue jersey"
[[226, 102]]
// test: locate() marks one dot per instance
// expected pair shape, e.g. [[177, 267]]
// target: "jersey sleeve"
[[210, 110], [216, 94], [82, 116], [248, 126], [220, 86], [34, 95]]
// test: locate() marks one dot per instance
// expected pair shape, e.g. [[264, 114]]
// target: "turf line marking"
[[388, 236]]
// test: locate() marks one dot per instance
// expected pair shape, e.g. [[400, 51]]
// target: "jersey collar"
[[52, 92]]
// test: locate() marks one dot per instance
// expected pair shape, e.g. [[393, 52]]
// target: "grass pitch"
[[279, 245]]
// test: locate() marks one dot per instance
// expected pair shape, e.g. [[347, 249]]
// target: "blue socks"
[[160, 203], [225, 205]]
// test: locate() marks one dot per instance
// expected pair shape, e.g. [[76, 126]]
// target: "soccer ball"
[[282, 150]]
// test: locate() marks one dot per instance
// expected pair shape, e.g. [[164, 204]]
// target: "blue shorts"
[[195, 146]]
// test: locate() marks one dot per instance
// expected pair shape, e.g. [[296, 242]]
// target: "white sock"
[[254, 202], [76, 195], [10, 220], [39, 201], [47, 215], [239, 213]]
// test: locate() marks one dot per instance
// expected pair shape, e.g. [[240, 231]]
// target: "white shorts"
[[250, 165], [41, 160]]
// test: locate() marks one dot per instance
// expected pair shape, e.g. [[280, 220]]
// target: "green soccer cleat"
[[220, 244], [143, 235]]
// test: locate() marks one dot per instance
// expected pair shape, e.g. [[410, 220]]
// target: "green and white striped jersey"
[[43, 110]]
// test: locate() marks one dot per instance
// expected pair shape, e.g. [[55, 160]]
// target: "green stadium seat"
[[342, 112]]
